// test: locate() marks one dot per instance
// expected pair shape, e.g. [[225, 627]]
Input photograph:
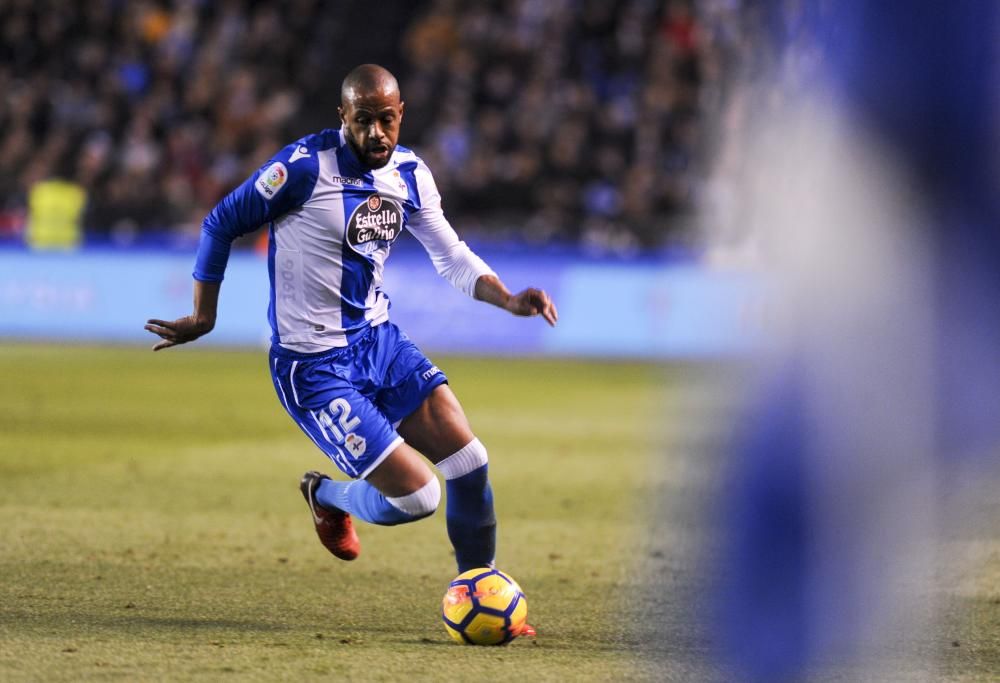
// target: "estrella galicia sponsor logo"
[[374, 224], [356, 182]]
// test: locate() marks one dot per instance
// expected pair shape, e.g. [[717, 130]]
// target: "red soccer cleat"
[[333, 526], [526, 630]]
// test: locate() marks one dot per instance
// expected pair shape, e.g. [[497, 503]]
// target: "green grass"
[[152, 526]]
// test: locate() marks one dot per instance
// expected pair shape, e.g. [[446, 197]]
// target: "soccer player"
[[356, 385]]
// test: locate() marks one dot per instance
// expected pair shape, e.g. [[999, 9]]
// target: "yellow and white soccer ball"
[[484, 606]]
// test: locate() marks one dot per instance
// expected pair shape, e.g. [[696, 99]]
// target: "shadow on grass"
[[551, 644], [133, 624]]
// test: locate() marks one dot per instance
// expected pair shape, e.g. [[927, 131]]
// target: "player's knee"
[[467, 459], [422, 502]]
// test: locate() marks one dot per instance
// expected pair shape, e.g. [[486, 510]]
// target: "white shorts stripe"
[[320, 425], [291, 382], [277, 380], [334, 453], [311, 437]]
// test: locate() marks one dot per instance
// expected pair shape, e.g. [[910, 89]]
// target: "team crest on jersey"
[[356, 444], [374, 225], [271, 180], [400, 183]]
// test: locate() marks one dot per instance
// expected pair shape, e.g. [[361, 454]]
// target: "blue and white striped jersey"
[[332, 223]]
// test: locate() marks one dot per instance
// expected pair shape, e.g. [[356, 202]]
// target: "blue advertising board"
[[607, 308]]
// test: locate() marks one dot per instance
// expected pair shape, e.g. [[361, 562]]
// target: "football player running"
[[356, 385]]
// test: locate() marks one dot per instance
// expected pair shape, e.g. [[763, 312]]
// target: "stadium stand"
[[584, 121]]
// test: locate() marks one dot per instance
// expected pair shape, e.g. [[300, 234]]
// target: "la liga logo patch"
[[270, 182]]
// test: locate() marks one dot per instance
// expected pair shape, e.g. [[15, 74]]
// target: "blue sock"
[[362, 500], [472, 526]]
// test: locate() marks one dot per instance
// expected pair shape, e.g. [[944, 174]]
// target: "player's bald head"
[[368, 81]]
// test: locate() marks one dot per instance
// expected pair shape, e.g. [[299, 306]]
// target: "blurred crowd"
[[585, 121], [579, 120]]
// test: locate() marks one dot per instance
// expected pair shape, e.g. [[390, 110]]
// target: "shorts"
[[349, 400]]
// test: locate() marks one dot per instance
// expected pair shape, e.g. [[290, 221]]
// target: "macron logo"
[[356, 182], [300, 153]]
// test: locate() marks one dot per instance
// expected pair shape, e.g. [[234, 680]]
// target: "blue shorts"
[[349, 400]]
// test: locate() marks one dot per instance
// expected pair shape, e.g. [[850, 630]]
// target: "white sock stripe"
[[421, 502], [461, 462]]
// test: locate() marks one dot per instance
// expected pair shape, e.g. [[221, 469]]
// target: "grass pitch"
[[152, 526]]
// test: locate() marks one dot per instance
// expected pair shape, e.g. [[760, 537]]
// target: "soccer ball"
[[484, 607]]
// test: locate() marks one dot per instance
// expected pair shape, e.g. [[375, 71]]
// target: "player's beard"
[[366, 156]]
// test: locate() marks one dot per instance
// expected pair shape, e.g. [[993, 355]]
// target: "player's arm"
[[190, 327], [279, 186], [457, 263], [528, 302]]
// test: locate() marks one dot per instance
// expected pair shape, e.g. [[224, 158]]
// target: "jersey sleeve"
[[282, 184], [452, 258]]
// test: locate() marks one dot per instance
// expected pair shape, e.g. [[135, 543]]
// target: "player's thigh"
[[407, 376], [438, 427], [418, 400], [401, 473]]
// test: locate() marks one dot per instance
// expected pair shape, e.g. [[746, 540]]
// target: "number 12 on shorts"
[[339, 410]]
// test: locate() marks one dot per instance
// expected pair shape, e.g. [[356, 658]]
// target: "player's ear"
[[401, 105], [342, 115]]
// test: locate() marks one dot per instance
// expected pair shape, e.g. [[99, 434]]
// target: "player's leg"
[[400, 489], [354, 434], [440, 430], [418, 400]]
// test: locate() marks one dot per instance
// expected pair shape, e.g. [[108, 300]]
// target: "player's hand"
[[178, 331], [533, 301]]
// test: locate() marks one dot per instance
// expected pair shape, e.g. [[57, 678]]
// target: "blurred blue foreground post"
[[800, 570]]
